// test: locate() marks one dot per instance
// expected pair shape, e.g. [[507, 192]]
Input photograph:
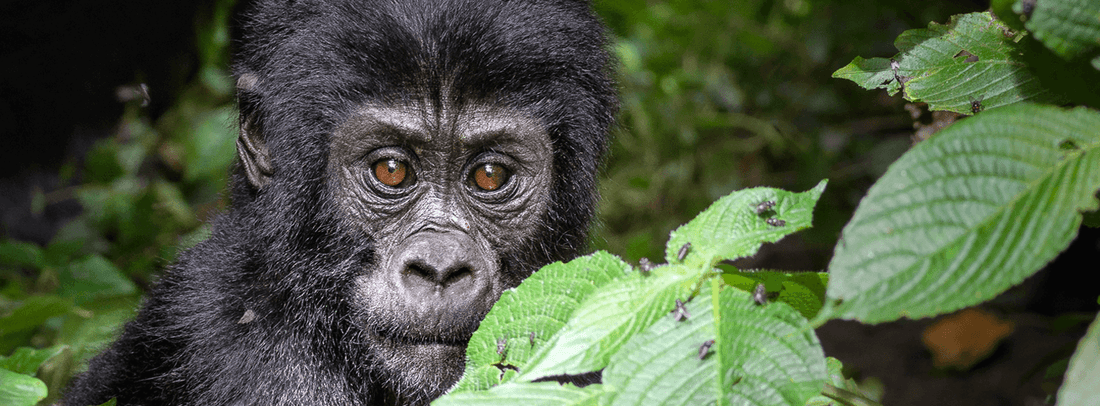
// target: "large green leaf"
[[93, 277], [1082, 382], [32, 312], [19, 253], [760, 355], [731, 228], [26, 360], [967, 214], [967, 65], [605, 321], [573, 318], [525, 318], [533, 394], [17, 389], [1070, 28], [804, 291]]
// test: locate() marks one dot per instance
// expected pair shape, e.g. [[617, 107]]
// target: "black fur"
[[262, 312]]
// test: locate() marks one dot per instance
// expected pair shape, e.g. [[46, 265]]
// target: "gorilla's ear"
[[250, 143]]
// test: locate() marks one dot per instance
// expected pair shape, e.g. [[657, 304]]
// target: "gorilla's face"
[[450, 198]]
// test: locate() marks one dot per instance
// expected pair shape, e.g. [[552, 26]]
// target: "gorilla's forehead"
[[373, 50]]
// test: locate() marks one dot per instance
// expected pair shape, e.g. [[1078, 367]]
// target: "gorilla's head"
[[402, 163]]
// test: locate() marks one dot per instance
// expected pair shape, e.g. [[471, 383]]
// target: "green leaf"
[[93, 277], [32, 312], [967, 214], [1092, 219], [17, 389], [1070, 28], [1004, 12], [838, 386], [731, 228], [1082, 382], [19, 253], [804, 291], [526, 317], [761, 355], [534, 394], [968, 63], [604, 322], [88, 332], [574, 318], [101, 165], [26, 360], [211, 145]]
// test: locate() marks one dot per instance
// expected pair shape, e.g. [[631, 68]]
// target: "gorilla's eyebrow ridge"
[[477, 127], [483, 127], [388, 121]]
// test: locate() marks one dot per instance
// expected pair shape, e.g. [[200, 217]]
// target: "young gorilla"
[[401, 164]]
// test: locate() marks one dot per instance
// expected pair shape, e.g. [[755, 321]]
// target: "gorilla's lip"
[[457, 338]]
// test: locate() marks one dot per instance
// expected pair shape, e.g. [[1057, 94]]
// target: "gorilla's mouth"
[[459, 337], [420, 340]]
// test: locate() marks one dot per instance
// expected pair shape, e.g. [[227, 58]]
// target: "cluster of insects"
[[680, 312], [767, 208]]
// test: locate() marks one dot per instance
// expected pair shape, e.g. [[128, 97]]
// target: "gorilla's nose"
[[444, 267]]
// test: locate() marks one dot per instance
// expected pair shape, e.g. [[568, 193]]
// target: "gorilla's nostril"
[[421, 273], [459, 275]]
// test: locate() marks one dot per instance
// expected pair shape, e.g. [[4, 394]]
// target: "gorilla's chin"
[[422, 371]]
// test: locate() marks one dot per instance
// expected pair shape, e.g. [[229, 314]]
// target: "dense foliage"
[[957, 220]]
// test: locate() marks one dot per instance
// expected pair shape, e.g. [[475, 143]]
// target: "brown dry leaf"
[[965, 338]]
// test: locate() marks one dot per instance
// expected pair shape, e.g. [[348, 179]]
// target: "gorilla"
[[401, 163]]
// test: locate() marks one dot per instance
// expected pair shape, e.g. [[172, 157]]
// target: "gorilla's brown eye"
[[490, 177], [391, 172]]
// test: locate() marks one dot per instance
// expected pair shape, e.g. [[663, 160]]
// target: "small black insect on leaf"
[[502, 350], [684, 249], [680, 313], [975, 106], [644, 266], [901, 79], [1068, 145], [774, 222], [760, 294], [532, 338], [502, 347], [705, 349], [764, 207]]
